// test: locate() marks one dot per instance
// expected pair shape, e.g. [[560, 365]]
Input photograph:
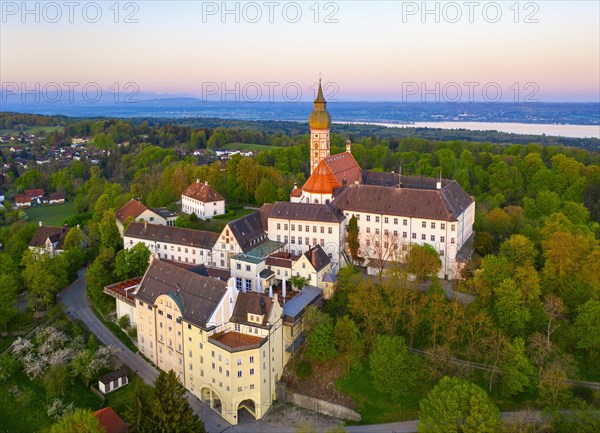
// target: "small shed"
[[114, 380]]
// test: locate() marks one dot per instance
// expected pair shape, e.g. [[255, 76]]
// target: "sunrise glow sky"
[[369, 53]]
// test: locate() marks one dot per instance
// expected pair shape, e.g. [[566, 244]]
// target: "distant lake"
[[575, 131]]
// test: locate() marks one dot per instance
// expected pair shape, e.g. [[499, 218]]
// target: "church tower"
[[320, 123]]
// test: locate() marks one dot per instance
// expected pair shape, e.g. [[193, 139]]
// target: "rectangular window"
[[453, 227], [293, 227], [432, 238], [330, 230], [237, 327], [414, 236], [424, 224], [395, 221], [404, 222], [442, 239], [423, 237], [368, 229], [432, 225], [285, 226], [443, 226], [404, 234], [307, 229], [251, 372], [368, 218], [441, 253], [386, 220], [299, 240], [252, 360], [238, 266], [376, 219], [169, 317], [299, 227], [452, 240], [278, 226], [293, 240], [239, 361], [240, 373]]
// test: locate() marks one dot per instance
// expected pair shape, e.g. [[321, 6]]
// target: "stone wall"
[[315, 404]]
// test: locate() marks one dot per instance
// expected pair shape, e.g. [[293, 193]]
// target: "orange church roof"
[[322, 181], [333, 172]]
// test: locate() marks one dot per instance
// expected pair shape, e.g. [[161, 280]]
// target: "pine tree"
[[353, 244], [171, 411]]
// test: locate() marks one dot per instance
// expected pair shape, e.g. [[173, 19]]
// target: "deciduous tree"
[[457, 406], [392, 367]]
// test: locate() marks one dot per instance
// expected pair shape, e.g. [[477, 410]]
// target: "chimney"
[[295, 185], [197, 180], [145, 224], [205, 183], [313, 260], [438, 184], [40, 223], [349, 146]]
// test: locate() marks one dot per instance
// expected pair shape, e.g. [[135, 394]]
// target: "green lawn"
[[51, 215], [376, 407], [30, 130], [121, 399], [23, 403]]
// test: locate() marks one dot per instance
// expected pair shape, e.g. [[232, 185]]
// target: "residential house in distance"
[[134, 210], [49, 240], [226, 346], [57, 197], [29, 198], [202, 200], [183, 245]]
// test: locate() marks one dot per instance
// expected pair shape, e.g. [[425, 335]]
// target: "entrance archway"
[[247, 410]]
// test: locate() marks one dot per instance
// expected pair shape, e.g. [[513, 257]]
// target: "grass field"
[[376, 407], [30, 130], [121, 399], [51, 215], [23, 403]]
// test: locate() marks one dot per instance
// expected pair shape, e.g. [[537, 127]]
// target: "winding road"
[[77, 306]]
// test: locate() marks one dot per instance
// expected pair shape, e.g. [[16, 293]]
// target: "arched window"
[[327, 201], [316, 200]]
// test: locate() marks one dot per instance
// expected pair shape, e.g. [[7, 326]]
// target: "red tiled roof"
[[22, 198], [110, 421], [34, 192], [297, 192], [202, 192], [344, 167], [57, 196], [322, 181], [132, 209]]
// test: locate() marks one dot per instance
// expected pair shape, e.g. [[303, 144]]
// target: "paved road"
[[77, 306]]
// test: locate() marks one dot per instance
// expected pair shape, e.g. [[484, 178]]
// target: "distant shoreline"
[[557, 130]]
